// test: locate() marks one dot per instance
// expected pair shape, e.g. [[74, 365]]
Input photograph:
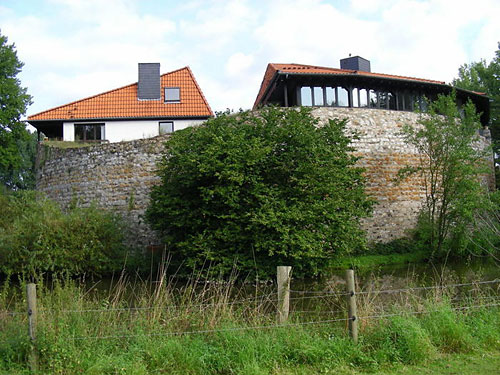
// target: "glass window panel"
[[330, 96], [98, 132], [408, 101], [383, 99], [166, 127], [172, 94], [79, 132], [400, 101], [373, 99], [392, 100], [318, 96], [342, 99], [355, 102], [89, 132], [305, 96], [423, 103], [363, 100]]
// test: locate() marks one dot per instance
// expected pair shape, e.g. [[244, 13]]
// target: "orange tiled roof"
[[123, 102], [273, 68]]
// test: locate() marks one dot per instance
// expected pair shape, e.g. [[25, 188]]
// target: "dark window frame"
[[175, 100], [165, 122], [84, 130]]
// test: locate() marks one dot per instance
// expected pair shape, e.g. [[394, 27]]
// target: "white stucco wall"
[[118, 131]]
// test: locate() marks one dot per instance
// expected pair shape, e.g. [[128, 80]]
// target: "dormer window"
[[172, 94]]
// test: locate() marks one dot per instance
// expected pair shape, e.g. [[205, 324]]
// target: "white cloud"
[[238, 64], [76, 48]]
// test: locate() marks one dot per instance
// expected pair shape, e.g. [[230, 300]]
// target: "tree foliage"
[[484, 77], [36, 236], [16, 143], [256, 190], [451, 164]]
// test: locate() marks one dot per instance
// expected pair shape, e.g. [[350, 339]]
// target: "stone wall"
[[383, 153], [115, 176], [119, 176]]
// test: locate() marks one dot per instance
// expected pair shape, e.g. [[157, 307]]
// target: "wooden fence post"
[[283, 280], [31, 299], [351, 303]]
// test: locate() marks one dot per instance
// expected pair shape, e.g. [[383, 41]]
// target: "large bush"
[[36, 236], [255, 190]]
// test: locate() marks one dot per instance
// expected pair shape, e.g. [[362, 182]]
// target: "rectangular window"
[[363, 98], [342, 97], [172, 94], [330, 96], [306, 96], [318, 96], [166, 127], [355, 97], [89, 132], [373, 99]]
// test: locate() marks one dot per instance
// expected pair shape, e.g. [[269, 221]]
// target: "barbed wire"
[[329, 293], [428, 287], [12, 313], [312, 297], [427, 312], [205, 331], [318, 311], [265, 298]]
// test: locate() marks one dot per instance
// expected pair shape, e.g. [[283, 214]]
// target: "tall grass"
[[137, 327]]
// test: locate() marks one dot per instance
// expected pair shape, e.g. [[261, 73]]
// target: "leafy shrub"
[[451, 169], [37, 236], [255, 190]]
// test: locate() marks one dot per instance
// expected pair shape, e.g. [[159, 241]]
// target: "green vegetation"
[[484, 77], [255, 190], [459, 364], [67, 144], [372, 260], [451, 167], [84, 331], [36, 236], [17, 145]]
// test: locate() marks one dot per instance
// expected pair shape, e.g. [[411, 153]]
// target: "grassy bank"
[[213, 329], [374, 260]]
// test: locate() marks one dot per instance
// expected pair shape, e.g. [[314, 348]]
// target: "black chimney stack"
[[355, 63], [149, 87]]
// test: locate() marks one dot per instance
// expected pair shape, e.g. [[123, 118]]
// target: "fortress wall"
[[115, 176], [383, 153], [119, 176]]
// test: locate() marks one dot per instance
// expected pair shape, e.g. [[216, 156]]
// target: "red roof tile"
[[273, 68], [123, 102]]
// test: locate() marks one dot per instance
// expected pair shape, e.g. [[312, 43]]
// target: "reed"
[[218, 327]]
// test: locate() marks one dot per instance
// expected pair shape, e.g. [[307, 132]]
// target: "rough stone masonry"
[[119, 176]]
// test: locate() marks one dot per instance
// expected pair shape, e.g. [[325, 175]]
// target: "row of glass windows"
[[339, 97], [95, 132], [89, 132]]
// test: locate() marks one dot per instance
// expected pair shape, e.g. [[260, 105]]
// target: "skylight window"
[[172, 94]]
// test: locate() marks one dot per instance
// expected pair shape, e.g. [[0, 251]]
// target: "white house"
[[152, 106]]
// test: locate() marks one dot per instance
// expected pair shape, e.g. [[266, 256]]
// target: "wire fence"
[[273, 326], [273, 303]]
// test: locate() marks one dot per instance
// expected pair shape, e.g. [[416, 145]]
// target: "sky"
[[77, 48]]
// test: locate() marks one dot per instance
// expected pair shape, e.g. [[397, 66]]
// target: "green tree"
[[16, 143], [484, 77], [451, 165], [255, 190]]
